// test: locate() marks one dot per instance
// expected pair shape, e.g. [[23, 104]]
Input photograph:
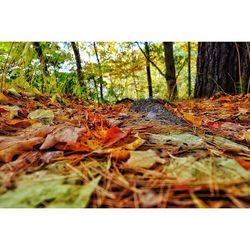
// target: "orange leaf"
[[114, 135], [19, 123], [243, 163], [120, 154]]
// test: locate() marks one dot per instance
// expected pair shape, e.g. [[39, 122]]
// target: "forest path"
[[190, 154]]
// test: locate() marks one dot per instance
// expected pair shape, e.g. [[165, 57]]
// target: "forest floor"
[[62, 152]]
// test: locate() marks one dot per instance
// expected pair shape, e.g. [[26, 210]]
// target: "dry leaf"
[[143, 159]]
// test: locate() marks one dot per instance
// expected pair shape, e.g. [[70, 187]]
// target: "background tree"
[[100, 71], [43, 63], [78, 63], [222, 66], [170, 70], [150, 89], [189, 69]]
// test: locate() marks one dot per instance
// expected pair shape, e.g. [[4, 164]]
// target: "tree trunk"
[[43, 63], [80, 75], [189, 69], [170, 70], [100, 69], [150, 89], [221, 66]]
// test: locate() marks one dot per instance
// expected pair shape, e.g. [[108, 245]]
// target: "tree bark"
[[222, 67], [150, 89], [170, 70], [43, 63], [80, 75], [100, 69]]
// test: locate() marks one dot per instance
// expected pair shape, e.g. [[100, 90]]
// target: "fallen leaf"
[[149, 198], [114, 135], [120, 154], [9, 146], [207, 171], [19, 123], [195, 120], [49, 156], [77, 197], [4, 99], [42, 115], [68, 135], [243, 163], [143, 159], [177, 139], [12, 111], [247, 136]]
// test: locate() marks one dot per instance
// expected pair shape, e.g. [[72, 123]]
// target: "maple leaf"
[[114, 135]]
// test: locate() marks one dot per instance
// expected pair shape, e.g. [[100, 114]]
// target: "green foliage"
[[123, 69]]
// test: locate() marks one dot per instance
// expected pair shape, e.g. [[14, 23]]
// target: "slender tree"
[[168, 77], [189, 69], [170, 69], [150, 89], [100, 70], [222, 67], [80, 75], [43, 63]]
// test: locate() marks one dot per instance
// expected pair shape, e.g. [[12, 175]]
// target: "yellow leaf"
[[247, 136], [195, 120]]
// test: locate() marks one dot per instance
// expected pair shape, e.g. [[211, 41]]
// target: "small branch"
[[151, 60]]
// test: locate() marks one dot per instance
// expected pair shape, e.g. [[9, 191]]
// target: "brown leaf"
[[9, 146], [68, 135]]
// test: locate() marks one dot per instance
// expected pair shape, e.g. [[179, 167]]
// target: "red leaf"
[[3, 110], [114, 135], [243, 163], [213, 124]]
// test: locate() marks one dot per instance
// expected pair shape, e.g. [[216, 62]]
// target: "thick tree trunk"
[[221, 67], [189, 69], [100, 69], [43, 63], [170, 70], [150, 89], [80, 75]]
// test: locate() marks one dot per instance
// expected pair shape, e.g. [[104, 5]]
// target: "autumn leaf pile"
[[62, 152]]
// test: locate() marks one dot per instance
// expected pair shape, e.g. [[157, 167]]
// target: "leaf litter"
[[63, 152]]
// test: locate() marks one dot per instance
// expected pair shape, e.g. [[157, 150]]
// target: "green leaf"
[[45, 189], [178, 139], [77, 196], [226, 144], [207, 171], [42, 115]]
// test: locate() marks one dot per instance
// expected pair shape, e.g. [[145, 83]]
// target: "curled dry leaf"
[[19, 123], [11, 111], [11, 146], [144, 159], [68, 135], [49, 156]]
